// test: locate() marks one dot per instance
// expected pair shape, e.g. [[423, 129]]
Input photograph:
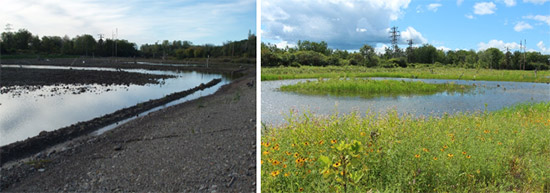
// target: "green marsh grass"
[[280, 73], [367, 88], [505, 150]]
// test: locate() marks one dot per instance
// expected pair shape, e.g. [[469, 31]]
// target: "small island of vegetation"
[[368, 88]]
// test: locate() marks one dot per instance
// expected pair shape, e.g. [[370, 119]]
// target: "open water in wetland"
[[276, 105], [29, 112]]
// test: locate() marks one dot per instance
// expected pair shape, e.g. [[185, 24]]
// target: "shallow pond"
[[276, 105], [33, 111]]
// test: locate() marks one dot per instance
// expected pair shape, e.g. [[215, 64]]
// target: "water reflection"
[[29, 113], [276, 104]]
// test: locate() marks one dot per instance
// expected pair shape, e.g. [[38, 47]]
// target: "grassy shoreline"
[[506, 150], [281, 73], [367, 88]]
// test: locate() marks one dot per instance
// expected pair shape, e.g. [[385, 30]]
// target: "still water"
[[276, 104], [25, 115]]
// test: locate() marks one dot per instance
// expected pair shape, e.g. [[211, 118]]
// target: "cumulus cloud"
[[342, 24], [459, 2], [434, 6], [284, 44], [543, 18], [411, 33], [520, 26], [445, 49], [510, 3], [497, 44], [380, 48], [138, 21], [538, 2], [543, 49], [484, 8]]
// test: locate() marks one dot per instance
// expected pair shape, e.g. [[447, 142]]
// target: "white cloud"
[[434, 6], [543, 49], [445, 49], [543, 18], [459, 2], [538, 2], [411, 33], [284, 44], [520, 26], [510, 3], [137, 20], [469, 16], [343, 24], [497, 44], [419, 9], [287, 28], [484, 8], [380, 48]]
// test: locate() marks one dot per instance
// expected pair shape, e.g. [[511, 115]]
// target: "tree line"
[[318, 54], [24, 42]]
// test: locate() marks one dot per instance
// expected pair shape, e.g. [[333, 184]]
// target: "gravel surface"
[[205, 145]]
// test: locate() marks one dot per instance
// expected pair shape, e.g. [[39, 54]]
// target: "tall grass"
[[279, 73], [371, 88], [507, 150]]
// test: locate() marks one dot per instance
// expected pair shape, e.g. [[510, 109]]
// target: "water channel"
[[33, 111]]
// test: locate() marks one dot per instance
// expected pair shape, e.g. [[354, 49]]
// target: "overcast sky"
[[139, 21], [446, 24]]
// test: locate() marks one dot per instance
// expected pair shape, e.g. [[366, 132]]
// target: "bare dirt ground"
[[205, 145]]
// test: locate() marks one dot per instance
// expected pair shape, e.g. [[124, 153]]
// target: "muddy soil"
[[131, 63], [205, 145], [33, 77]]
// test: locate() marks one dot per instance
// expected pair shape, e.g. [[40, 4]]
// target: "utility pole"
[[116, 42], [524, 57], [507, 55], [409, 50], [520, 48], [394, 34]]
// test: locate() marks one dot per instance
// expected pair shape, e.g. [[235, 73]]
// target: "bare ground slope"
[[205, 145]]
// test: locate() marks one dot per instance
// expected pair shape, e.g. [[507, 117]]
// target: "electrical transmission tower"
[[8, 27], [394, 35], [409, 50]]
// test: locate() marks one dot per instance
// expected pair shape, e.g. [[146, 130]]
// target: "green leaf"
[[325, 160]]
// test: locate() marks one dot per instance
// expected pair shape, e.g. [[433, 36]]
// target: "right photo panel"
[[405, 96]]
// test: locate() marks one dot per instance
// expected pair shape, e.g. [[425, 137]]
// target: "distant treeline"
[[24, 42], [318, 54]]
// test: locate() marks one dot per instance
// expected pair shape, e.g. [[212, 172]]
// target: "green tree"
[[369, 55]]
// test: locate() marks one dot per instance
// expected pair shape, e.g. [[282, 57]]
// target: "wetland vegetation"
[[505, 150], [368, 88], [421, 71]]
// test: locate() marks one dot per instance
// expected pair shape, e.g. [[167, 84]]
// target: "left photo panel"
[[131, 96]]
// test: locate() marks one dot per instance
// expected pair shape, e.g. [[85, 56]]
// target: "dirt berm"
[[205, 145]]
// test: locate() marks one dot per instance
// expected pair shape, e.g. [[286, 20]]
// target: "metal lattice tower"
[[394, 35], [8, 27]]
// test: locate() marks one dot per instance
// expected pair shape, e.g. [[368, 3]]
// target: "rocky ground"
[[205, 145]]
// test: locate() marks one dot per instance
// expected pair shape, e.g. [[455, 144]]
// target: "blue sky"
[[139, 21], [446, 24]]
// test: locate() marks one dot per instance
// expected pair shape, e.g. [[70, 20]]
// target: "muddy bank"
[[131, 63], [47, 139], [33, 77], [204, 145]]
